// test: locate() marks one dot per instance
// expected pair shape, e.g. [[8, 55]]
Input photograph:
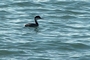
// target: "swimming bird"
[[34, 24]]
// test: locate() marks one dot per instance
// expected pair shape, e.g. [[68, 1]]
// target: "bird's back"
[[31, 25]]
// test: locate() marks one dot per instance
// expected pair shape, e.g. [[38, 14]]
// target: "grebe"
[[34, 24]]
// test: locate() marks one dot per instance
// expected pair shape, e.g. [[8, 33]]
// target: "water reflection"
[[32, 29]]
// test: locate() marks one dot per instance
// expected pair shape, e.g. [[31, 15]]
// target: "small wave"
[[4, 5], [67, 17], [25, 4], [40, 1], [7, 52], [4, 12], [22, 4], [75, 0], [79, 46]]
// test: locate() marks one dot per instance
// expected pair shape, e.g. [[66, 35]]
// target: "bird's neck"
[[36, 21]]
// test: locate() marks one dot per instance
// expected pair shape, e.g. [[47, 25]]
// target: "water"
[[63, 33]]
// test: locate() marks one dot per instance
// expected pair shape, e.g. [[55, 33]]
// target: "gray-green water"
[[63, 33]]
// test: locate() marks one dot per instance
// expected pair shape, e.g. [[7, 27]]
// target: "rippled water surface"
[[63, 33]]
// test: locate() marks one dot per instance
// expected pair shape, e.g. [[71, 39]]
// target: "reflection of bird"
[[34, 24]]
